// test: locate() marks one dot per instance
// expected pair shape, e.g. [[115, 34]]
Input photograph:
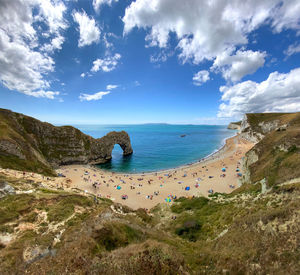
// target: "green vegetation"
[[243, 232], [114, 235], [13, 206], [15, 163], [276, 163], [64, 208], [279, 151], [188, 204]]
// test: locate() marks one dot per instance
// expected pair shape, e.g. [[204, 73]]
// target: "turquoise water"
[[159, 146]]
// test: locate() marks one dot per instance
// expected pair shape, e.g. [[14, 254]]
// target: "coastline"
[[148, 189], [209, 157]]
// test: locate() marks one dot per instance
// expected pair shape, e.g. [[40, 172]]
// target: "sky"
[[149, 61]]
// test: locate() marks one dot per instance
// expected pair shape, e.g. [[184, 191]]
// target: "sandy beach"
[[148, 189]]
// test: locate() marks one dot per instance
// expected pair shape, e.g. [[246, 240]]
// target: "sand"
[[148, 189]]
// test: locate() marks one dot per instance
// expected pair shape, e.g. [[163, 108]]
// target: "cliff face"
[[29, 144], [234, 125], [276, 156], [254, 127]]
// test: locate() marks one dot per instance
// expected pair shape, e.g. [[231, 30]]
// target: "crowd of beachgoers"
[[218, 173]]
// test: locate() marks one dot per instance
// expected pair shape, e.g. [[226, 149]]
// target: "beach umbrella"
[[187, 188], [168, 200], [223, 169], [119, 187], [239, 174], [237, 170]]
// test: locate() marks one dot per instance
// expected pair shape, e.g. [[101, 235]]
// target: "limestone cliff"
[[234, 125], [254, 127], [276, 156], [29, 144]]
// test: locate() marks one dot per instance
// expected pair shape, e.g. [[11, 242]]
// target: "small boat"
[[182, 135]]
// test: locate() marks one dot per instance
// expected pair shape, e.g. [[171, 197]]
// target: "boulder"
[[6, 189]]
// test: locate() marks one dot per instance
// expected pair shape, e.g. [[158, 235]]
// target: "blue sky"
[[124, 62]]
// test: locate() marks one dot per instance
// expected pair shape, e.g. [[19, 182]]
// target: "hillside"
[[53, 231], [276, 157], [31, 145], [253, 230]]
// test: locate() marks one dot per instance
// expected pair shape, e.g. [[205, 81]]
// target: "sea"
[[161, 146]]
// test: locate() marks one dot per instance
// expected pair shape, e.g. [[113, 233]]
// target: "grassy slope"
[[10, 130], [278, 152], [263, 233]]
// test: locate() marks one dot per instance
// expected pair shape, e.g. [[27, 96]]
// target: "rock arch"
[[107, 143]]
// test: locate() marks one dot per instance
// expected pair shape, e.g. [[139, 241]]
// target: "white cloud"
[[42, 93], [279, 93], [89, 97], [98, 3], [107, 64], [137, 83], [235, 66], [292, 49], [205, 29], [55, 44], [53, 13], [88, 30], [111, 87], [82, 75], [25, 62], [201, 77]]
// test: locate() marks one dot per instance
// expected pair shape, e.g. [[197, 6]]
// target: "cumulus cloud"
[[88, 30], [98, 3], [25, 62], [111, 87], [235, 66], [106, 64], [201, 77], [205, 29], [292, 49], [82, 75], [89, 97], [280, 92], [55, 44]]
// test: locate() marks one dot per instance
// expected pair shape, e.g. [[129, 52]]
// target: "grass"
[[121, 244], [14, 206], [188, 204], [64, 208], [278, 152], [13, 162]]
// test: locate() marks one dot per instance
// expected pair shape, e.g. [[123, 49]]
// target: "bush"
[[189, 230]]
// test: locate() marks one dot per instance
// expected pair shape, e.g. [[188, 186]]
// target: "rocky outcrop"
[[247, 131], [254, 127], [25, 140], [6, 189], [234, 125]]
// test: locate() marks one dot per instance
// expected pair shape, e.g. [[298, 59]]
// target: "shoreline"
[[145, 190], [218, 172], [204, 159]]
